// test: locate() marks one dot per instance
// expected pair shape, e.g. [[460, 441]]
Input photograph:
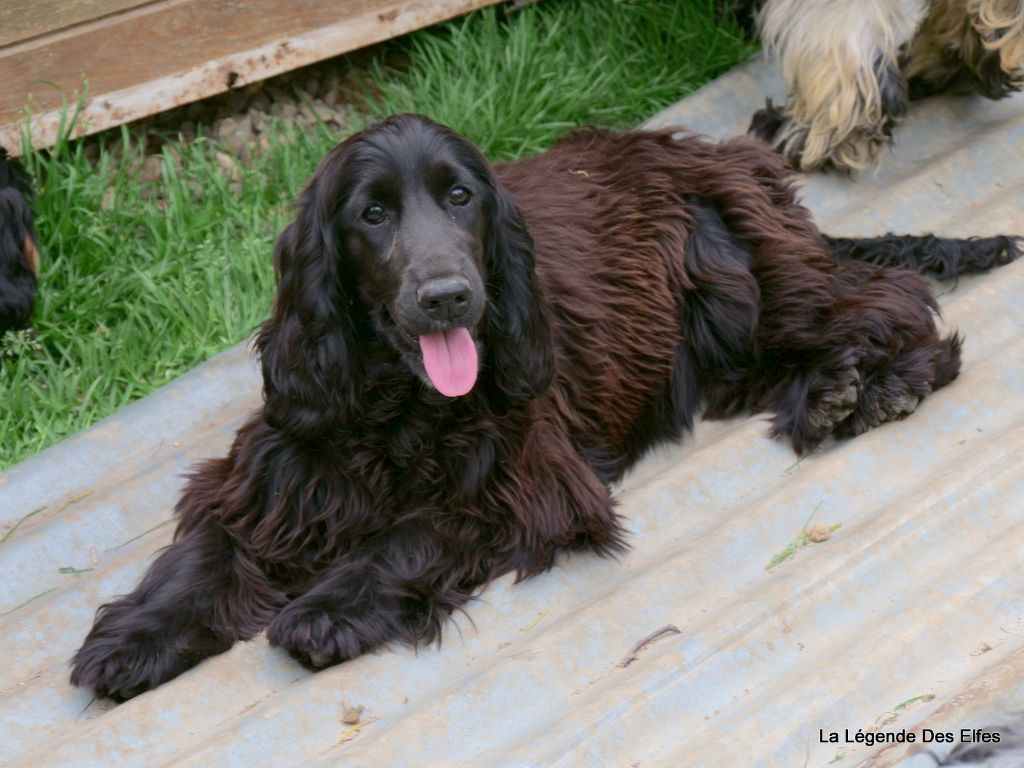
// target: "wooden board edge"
[[107, 110]]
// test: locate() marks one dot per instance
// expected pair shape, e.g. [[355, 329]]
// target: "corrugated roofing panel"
[[910, 615]]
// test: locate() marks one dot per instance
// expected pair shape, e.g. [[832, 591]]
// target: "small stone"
[[341, 114], [151, 169], [228, 166], [242, 151], [351, 715], [278, 94], [286, 110], [981, 649], [820, 533], [260, 101], [237, 101], [258, 121], [228, 127]]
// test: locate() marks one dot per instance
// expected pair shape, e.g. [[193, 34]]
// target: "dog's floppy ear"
[[519, 349], [308, 347]]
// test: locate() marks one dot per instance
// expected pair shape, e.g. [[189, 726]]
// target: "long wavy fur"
[[631, 280], [851, 68]]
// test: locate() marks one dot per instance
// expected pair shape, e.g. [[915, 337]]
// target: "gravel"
[[237, 120]]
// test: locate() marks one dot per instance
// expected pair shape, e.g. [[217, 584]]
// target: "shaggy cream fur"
[[848, 66]]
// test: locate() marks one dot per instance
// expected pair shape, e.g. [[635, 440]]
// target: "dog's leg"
[[739, 341], [894, 384], [839, 345], [552, 501], [811, 394], [720, 308], [405, 584], [198, 598], [880, 355], [969, 45], [999, 25], [840, 64], [402, 587], [902, 357]]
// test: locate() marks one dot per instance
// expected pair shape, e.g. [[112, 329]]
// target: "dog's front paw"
[[120, 667], [131, 650], [767, 122], [811, 146], [315, 632]]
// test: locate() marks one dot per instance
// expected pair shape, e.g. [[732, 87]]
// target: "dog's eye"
[[459, 196], [374, 214]]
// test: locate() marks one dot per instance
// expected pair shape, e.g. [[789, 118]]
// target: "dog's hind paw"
[[886, 404], [817, 409], [901, 406], [835, 404]]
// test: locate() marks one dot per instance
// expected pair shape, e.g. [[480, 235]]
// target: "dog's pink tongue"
[[450, 359]]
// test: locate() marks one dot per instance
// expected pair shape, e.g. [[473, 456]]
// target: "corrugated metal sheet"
[[910, 615]]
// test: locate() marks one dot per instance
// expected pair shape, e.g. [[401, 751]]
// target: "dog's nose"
[[444, 298]]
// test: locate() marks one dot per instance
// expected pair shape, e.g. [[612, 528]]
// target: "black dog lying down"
[[19, 247], [461, 358]]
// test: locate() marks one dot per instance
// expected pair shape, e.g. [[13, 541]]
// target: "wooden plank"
[[164, 54], [21, 21]]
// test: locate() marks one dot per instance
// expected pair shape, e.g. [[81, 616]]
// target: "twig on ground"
[[629, 658]]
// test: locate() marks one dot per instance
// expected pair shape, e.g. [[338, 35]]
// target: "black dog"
[[19, 247], [461, 358]]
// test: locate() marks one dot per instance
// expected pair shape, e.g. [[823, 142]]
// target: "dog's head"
[[405, 236], [19, 250]]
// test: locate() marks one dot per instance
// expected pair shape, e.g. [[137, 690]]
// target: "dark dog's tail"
[[940, 256]]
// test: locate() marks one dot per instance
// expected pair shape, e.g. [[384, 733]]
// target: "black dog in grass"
[[19, 247], [461, 357]]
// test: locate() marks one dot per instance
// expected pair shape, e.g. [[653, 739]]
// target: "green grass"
[[514, 87], [805, 537], [141, 283]]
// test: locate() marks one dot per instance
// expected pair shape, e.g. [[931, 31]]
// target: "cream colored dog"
[[851, 67]]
